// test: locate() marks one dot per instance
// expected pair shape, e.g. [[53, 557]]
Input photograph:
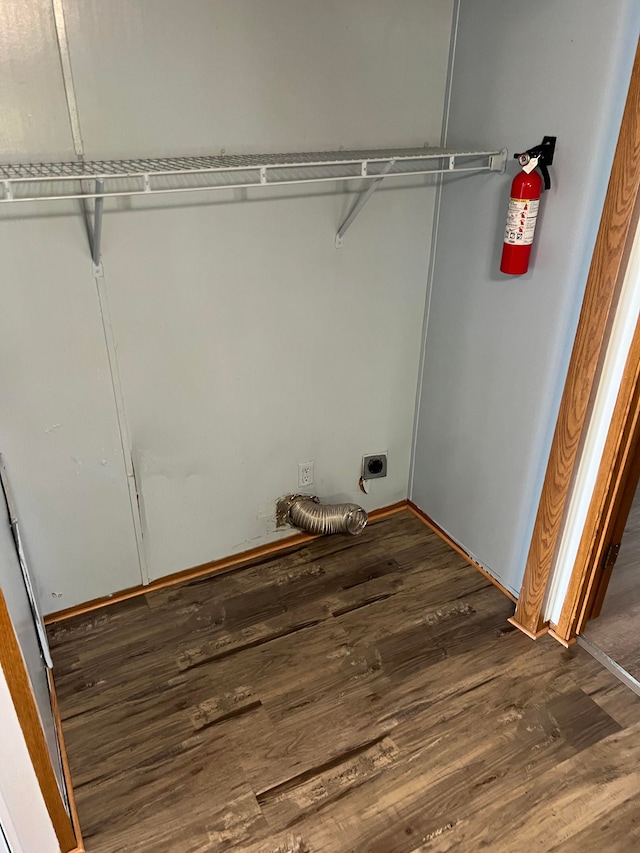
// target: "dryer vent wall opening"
[[307, 513]]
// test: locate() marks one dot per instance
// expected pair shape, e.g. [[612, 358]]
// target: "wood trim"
[[616, 467], [75, 820], [385, 511], [605, 276], [532, 636], [213, 567], [620, 516], [15, 672], [566, 643], [425, 519]]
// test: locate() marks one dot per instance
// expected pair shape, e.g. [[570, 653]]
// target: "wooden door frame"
[[620, 500], [610, 504], [14, 669], [608, 266]]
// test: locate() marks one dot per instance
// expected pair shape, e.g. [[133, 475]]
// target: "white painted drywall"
[[23, 813], [58, 430], [155, 77], [15, 595], [497, 348], [246, 341], [34, 124]]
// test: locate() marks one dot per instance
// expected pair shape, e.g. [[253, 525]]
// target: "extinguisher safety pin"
[[531, 164]]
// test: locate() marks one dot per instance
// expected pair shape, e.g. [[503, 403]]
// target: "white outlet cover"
[[305, 474]]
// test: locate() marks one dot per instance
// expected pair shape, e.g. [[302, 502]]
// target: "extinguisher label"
[[521, 221]]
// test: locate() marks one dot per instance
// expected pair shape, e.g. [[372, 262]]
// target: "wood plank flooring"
[[617, 630], [357, 694]]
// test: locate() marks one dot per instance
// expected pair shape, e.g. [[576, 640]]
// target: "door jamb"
[[15, 672], [606, 273], [612, 540], [610, 503]]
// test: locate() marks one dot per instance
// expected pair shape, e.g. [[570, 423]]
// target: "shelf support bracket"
[[362, 199], [498, 162], [94, 230]]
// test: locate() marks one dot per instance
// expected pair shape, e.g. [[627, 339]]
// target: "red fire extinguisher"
[[523, 206]]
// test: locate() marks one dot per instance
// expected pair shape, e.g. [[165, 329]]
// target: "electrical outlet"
[[374, 466], [305, 474]]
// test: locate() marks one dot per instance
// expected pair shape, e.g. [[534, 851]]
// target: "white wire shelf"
[[23, 182], [103, 179]]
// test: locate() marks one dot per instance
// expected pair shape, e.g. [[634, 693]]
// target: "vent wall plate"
[[374, 466]]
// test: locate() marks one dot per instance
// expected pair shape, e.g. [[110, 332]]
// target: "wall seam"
[[123, 428], [455, 17], [67, 76], [103, 304]]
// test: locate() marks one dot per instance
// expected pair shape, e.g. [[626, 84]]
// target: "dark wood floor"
[[358, 695], [617, 630]]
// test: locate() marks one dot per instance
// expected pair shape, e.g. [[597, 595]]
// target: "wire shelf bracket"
[[360, 203], [104, 179], [497, 163], [94, 227]]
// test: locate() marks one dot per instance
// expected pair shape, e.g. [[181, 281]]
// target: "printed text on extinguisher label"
[[521, 221]]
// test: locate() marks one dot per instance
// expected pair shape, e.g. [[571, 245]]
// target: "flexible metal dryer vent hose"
[[309, 514]]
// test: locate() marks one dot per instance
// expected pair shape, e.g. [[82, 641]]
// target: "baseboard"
[[66, 770], [566, 643], [235, 562], [544, 630], [424, 518]]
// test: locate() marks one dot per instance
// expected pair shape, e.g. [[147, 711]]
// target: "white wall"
[[246, 341], [157, 77], [15, 595], [23, 813], [58, 430], [497, 348], [34, 124], [58, 427]]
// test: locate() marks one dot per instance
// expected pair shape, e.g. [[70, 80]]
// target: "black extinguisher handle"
[[544, 152], [546, 177]]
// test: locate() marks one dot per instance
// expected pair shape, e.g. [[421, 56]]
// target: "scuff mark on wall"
[[52, 427]]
